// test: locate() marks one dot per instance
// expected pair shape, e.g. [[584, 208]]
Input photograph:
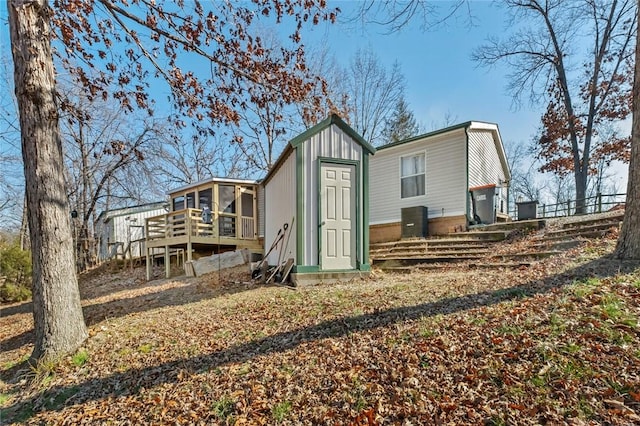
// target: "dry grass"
[[554, 343]]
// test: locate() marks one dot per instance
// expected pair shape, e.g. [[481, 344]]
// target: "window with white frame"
[[412, 175]]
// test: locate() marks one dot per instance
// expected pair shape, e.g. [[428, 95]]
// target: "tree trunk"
[[629, 241], [581, 192], [57, 313]]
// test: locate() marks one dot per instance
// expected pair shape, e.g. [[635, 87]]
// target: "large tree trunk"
[[629, 241], [581, 192], [57, 313]]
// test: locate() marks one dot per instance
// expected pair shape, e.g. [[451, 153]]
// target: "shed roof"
[[312, 131], [108, 214]]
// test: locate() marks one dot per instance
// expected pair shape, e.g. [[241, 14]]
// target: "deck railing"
[[188, 222]]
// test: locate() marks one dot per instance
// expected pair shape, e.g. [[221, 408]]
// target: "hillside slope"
[[557, 342]]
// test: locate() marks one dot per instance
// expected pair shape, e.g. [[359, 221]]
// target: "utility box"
[[527, 210], [414, 222]]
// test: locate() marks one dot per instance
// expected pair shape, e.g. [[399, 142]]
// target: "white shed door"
[[337, 204]]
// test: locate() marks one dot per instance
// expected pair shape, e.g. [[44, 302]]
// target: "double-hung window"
[[412, 175]]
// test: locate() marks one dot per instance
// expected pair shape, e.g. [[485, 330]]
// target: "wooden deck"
[[185, 229]]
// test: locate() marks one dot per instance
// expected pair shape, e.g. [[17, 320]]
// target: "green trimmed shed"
[[320, 184]]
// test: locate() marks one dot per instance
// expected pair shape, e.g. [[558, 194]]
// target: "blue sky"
[[440, 75], [441, 79]]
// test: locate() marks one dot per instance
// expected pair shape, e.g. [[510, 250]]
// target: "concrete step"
[[614, 218], [440, 266], [428, 253], [577, 235], [430, 248], [407, 261], [538, 254], [533, 224], [478, 235]]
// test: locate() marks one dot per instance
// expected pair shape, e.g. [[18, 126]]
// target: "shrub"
[[15, 273]]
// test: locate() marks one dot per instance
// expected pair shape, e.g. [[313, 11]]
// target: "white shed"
[[320, 184], [121, 231], [459, 174]]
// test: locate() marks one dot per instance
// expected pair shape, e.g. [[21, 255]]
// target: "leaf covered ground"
[[554, 343]]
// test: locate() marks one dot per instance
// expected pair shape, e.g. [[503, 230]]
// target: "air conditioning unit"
[[414, 222]]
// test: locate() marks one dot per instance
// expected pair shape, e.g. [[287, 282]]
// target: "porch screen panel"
[[248, 221], [205, 198], [178, 203], [227, 208], [191, 200]]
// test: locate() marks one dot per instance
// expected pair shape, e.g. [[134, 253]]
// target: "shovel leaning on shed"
[[258, 271], [282, 266]]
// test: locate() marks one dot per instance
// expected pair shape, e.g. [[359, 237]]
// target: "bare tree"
[[135, 44], [331, 96], [11, 179], [373, 93], [100, 144], [545, 57], [525, 184], [394, 15], [59, 323], [182, 159]]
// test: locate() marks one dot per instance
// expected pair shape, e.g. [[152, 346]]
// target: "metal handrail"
[[594, 204]]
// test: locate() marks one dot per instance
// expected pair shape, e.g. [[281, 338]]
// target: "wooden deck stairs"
[[510, 244]]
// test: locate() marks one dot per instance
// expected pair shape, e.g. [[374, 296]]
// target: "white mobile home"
[[320, 184], [456, 176], [121, 231]]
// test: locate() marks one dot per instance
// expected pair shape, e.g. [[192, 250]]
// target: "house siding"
[[331, 142], [446, 178], [115, 228], [484, 164], [280, 190]]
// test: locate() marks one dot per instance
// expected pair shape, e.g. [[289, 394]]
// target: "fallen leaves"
[[502, 347]]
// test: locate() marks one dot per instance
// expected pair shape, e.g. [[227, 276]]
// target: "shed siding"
[[446, 178], [332, 142], [280, 190], [484, 163]]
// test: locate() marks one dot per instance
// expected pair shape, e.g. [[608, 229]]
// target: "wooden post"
[[167, 262], [146, 249]]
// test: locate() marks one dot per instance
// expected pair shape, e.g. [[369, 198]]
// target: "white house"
[[456, 176], [121, 231], [320, 185]]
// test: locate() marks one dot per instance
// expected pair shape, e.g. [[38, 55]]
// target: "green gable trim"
[[324, 124], [427, 135], [464, 125]]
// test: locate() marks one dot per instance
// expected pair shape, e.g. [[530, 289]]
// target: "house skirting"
[[437, 226]]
